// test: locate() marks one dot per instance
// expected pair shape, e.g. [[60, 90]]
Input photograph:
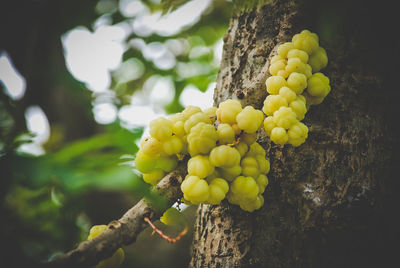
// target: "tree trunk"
[[330, 202]]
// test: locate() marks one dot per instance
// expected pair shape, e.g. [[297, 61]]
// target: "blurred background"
[[79, 82]]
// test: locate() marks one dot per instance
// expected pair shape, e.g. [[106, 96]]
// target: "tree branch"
[[125, 230]]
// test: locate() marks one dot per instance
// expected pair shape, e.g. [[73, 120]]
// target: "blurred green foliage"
[[46, 192], [86, 175], [93, 162]]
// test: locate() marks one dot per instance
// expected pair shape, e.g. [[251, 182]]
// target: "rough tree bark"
[[330, 202]]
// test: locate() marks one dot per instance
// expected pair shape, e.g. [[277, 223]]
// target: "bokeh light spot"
[[13, 82]]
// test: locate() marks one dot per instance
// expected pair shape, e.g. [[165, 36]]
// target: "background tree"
[[332, 201]]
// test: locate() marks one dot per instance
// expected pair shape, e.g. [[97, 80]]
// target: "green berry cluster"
[[225, 161], [295, 84]]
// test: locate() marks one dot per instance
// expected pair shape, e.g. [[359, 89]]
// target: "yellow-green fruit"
[[189, 111], [318, 85], [184, 144], [173, 145], [216, 174], [176, 118], [277, 66], [218, 189], [269, 125], [248, 138], [297, 82], [186, 202], [195, 119], [143, 162], [256, 149], [233, 198], [285, 117], [242, 148], [178, 128], [211, 113], [283, 73], [161, 128], [299, 107], [116, 259], [273, 103], [201, 139], [297, 53], [313, 35], [297, 134], [227, 111], [226, 134], [249, 119], [96, 230], [250, 166], [306, 41], [246, 187], [166, 163], [318, 59], [307, 70], [262, 182], [236, 129], [195, 190], [295, 65], [284, 48], [263, 164], [154, 176], [200, 166], [279, 135], [276, 58], [252, 204], [224, 156], [302, 98], [231, 173], [151, 146], [310, 100], [171, 217], [288, 94], [274, 84]]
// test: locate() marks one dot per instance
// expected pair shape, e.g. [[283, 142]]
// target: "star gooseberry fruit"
[[220, 144]]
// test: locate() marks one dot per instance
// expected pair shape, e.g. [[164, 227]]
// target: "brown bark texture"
[[331, 202]]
